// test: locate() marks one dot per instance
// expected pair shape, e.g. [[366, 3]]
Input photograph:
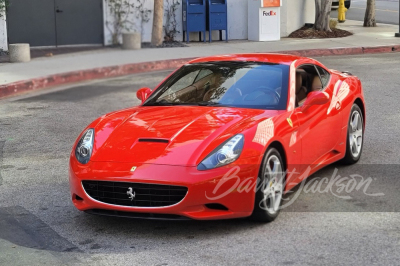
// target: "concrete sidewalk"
[[11, 74]]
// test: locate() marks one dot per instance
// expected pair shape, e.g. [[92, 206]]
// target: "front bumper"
[[232, 186]]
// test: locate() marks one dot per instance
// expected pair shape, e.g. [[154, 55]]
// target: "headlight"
[[84, 149], [225, 154]]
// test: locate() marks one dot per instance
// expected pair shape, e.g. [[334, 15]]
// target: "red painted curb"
[[327, 52], [19, 87], [345, 51]]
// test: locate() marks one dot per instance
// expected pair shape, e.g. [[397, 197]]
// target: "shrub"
[[333, 23]]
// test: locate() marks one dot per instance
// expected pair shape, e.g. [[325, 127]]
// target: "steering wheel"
[[268, 90]]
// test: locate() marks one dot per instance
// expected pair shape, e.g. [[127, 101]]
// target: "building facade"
[[89, 22]]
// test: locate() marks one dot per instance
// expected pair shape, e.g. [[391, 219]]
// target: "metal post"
[[398, 33]]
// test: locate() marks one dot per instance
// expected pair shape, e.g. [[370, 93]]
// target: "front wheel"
[[355, 136], [270, 187]]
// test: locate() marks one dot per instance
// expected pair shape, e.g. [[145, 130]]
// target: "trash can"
[[264, 23], [194, 18], [217, 11]]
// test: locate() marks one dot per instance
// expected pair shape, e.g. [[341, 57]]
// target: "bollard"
[[131, 41], [341, 12], [397, 34], [19, 52]]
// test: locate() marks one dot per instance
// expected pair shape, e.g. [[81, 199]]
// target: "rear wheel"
[[355, 136], [269, 188]]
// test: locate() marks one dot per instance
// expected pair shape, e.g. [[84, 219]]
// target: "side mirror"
[[315, 98], [143, 93]]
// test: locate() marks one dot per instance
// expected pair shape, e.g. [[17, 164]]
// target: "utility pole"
[[398, 33]]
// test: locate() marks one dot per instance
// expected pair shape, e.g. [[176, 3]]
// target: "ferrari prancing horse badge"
[[290, 121]]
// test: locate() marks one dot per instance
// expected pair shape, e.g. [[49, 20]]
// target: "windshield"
[[232, 84]]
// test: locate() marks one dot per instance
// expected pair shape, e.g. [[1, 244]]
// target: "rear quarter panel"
[[347, 90]]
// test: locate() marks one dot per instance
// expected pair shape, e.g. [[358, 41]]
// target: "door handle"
[[58, 10]]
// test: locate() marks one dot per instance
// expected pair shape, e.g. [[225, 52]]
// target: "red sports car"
[[216, 139]]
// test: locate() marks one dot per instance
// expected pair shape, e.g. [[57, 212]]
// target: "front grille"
[[145, 195]]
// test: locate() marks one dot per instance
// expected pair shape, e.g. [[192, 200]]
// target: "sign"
[[269, 13], [264, 20], [271, 3]]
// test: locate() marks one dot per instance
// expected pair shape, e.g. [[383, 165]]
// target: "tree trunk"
[[322, 14], [156, 36], [369, 18]]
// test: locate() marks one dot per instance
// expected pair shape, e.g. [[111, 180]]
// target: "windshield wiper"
[[166, 103], [159, 104], [209, 104]]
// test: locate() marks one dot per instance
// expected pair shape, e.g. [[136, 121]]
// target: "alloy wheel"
[[356, 133]]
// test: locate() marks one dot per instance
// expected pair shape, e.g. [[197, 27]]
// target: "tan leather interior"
[[194, 92], [207, 95], [301, 91], [316, 84], [213, 86], [187, 94], [203, 83], [299, 81]]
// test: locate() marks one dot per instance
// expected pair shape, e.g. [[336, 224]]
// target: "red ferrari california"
[[217, 139]]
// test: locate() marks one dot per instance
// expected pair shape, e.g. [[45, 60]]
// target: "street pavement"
[[49, 66], [40, 226], [387, 11]]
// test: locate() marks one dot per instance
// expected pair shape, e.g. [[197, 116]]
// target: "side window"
[[181, 88], [203, 73], [309, 77], [324, 76], [184, 82], [307, 80]]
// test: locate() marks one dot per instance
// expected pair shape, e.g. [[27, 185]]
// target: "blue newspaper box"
[[194, 18], [217, 11]]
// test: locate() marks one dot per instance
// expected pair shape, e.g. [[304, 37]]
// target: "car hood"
[[173, 135]]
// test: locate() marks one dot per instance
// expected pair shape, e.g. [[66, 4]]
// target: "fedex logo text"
[[270, 13]]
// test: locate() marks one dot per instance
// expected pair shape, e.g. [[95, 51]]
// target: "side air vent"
[[154, 140]]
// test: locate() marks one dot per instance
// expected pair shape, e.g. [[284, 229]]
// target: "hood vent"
[[154, 140]]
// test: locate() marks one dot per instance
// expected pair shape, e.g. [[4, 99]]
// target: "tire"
[[355, 136], [270, 186], [347, 4]]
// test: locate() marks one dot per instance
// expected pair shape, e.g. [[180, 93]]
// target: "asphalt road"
[[387, 11], [40, 226]]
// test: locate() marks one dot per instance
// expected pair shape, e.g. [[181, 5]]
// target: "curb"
[[346, 51], [20, 87]]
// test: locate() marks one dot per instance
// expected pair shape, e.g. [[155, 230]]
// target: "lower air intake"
[[135, 215]]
